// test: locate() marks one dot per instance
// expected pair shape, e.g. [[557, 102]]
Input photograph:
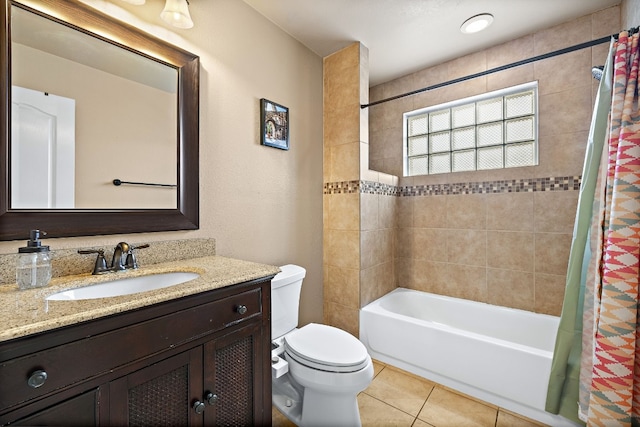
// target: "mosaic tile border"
[[370, 187], [562, 183], [342, 187]]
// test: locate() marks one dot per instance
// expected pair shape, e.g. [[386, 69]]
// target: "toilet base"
[[319, 409], [322, 410], [287, 398]]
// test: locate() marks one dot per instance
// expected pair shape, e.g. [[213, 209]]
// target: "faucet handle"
[[132, 262], [100, 266]]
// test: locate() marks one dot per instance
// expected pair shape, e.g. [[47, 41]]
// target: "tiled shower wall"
[[502, 236], [497, 236], [343, 136], [359, 205]]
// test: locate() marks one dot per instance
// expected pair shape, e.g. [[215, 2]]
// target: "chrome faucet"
[[124, 258]]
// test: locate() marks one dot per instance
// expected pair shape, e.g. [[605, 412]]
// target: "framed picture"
[[274, 125]]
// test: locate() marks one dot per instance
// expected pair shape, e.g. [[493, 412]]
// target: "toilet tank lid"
[[288, 273]]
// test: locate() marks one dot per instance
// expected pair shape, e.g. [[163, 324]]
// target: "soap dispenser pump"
[[33, 269]]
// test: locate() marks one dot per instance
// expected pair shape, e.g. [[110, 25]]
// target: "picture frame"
[[274, 124]]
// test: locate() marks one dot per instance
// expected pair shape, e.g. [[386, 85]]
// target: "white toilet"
[[318, 370]]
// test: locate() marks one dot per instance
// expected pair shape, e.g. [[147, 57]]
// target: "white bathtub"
[[496, 354]]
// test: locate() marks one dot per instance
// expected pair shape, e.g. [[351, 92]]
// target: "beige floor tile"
[[411, 375], [466, 396], [419, 423], [374, 413], [279, 420], [400, 390], [377, 367], [447, 409], [507, 419]]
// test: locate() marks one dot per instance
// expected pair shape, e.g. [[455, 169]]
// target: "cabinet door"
[[162, 394], [233, 374], [81, 411]]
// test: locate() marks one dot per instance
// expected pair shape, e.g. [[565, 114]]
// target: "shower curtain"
[[595, 375]]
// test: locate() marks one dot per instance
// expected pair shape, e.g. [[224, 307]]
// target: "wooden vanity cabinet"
[[199, 360], [77, 411]]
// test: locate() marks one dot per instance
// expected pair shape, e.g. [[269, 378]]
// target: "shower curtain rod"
[[502, 68]]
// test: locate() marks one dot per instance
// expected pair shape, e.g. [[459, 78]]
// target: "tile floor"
[[398, 398]]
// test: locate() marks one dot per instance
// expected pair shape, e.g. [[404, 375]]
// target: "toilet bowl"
[[318, 370]]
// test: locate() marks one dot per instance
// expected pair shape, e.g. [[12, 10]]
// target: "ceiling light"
[[476, 23], [176, 13]]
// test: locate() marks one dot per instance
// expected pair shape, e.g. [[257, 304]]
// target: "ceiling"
[[404, 36]]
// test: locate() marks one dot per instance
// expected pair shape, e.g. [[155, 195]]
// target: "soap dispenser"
[[33, 269]]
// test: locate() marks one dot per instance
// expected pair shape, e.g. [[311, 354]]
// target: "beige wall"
[[259, 203], [508, 249], [630, 14]]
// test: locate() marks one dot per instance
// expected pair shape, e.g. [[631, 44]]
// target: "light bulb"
[[176, 13]]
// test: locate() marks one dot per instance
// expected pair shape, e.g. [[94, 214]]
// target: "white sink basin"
[[118, 287]]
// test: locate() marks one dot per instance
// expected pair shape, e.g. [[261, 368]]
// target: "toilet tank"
[[285, 299]]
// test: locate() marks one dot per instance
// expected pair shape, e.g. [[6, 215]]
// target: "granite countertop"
[[28, 312]]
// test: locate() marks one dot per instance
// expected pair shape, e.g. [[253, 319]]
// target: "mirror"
[[130, 102]]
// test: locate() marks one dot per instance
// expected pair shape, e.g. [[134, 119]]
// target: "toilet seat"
[[326, 348]]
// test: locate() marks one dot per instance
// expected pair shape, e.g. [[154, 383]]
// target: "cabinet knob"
[[241, 309], [198, 407], [211, 398], [37, 379]]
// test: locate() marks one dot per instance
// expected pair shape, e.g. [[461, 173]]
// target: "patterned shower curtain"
[[600, 319]]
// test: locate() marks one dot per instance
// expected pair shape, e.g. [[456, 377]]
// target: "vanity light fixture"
[[476, 23], [175, 12]]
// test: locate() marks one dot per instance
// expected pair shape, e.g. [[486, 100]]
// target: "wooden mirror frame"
[[16, 223]]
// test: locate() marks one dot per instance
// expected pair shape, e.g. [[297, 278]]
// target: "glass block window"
[[490, 131]]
